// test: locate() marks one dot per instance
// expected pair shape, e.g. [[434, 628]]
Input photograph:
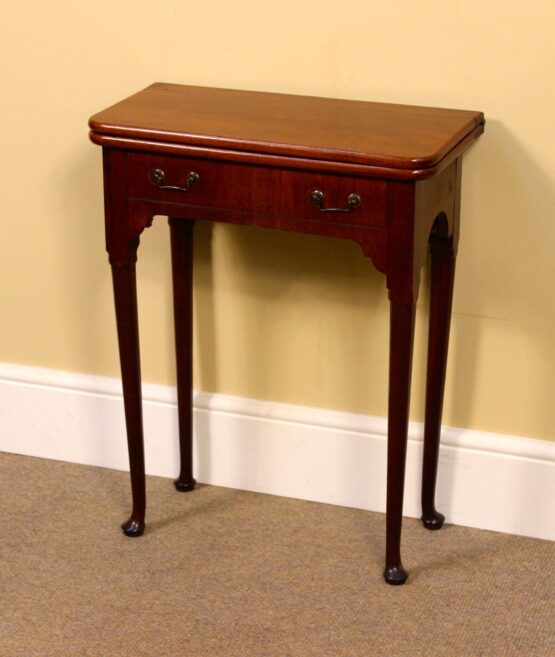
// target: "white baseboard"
[[490, 481]]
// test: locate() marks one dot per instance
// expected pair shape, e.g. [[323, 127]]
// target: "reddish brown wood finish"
[[122, 243], [372, 134], [258, 158], [264, 159], [258, 190], [441, 297], [182, 278], [125, 296], [401, 339]]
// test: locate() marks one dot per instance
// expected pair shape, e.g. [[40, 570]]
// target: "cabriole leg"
[[125, 297]]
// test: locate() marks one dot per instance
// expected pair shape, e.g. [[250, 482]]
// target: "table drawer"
[[257, 189]]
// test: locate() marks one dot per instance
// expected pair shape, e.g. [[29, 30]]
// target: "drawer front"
[[260, 190]]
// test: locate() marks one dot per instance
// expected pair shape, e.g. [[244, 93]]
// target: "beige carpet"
[[224, 573]]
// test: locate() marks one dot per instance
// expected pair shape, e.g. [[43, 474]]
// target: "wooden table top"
[[383, 135]]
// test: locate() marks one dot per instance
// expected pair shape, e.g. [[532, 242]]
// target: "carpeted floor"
[[225, 573]]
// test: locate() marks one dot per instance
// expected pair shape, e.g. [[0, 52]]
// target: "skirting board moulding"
[[486, 480]]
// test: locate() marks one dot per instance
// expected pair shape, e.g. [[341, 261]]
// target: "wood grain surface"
[[374, 134]]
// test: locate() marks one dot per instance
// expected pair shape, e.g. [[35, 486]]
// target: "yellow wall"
[[279, 316]]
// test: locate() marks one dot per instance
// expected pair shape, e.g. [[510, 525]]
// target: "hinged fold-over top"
[[377, 139]]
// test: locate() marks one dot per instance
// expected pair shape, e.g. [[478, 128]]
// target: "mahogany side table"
[[386, 176]]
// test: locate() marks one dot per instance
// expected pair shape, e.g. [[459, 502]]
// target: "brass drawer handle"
[[318, 199], [158, 176]]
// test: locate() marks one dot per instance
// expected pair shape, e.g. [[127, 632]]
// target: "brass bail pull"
[[157, 176], [318, 199]]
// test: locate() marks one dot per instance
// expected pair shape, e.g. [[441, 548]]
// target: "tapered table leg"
[[181, 233], [400, 367], [441, 297], [125, 296]]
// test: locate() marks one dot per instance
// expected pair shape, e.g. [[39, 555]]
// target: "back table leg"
[[441, 297], [181, 233]]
